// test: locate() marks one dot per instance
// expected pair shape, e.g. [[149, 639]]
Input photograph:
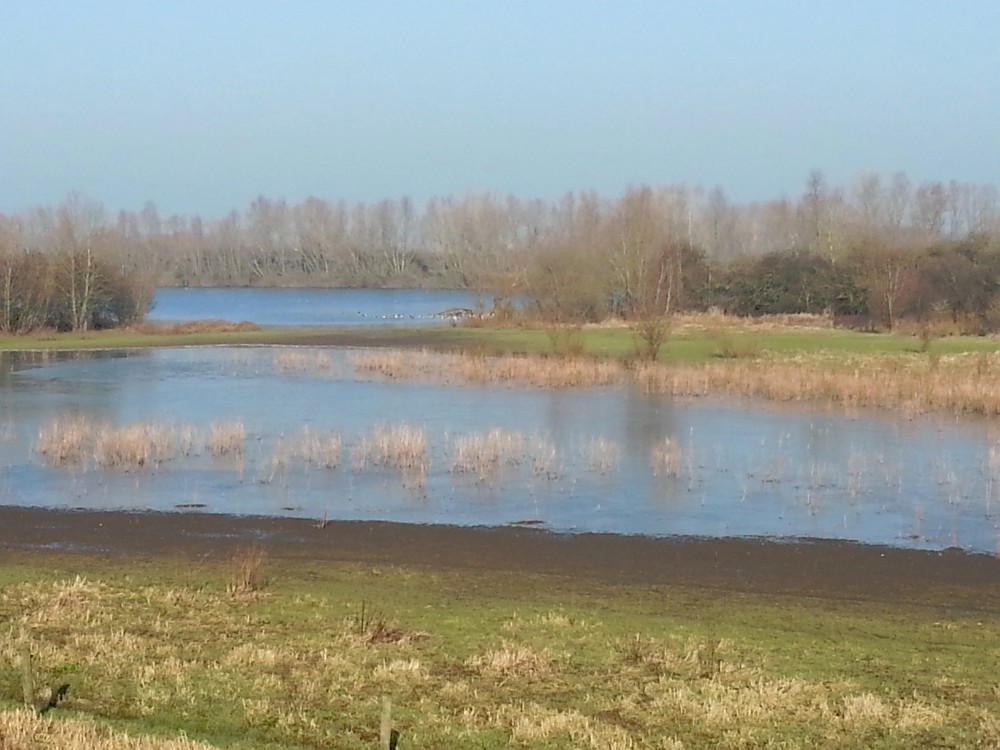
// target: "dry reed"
[[401, 447], [308, 447], [485, 455], [247, 570], [227, 439], [64, 441], [544, 372], [912, 384], [22, 729], [292, 360], [134, 446]]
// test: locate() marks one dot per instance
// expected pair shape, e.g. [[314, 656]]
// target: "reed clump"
[[293, 360], [911, 383], [227, 439], [133, 446], [402, 447], [543, 372], [75, 441], [484, 455], [307, 447], [64, 441]]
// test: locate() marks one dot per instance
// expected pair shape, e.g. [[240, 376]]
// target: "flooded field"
[[298, 432]]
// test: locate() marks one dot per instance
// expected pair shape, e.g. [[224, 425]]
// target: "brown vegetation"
[[227, 439], [402, 447], [912, 383]]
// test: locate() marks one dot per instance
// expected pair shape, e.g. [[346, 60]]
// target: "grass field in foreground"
[[259, 654]]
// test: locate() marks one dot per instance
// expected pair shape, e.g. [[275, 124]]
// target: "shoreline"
[[820, 568]]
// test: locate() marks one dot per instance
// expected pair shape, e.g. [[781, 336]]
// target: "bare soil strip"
[[824, 569]]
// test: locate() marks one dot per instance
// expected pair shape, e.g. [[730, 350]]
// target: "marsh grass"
[[296, 361], [484, 455], [308, 447], [74, 441], [402, 447], [65, 441], [477, 659], [134, 446], [908, 382], [227, 439]]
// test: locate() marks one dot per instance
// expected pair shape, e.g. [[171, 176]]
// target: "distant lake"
[[312, 307]]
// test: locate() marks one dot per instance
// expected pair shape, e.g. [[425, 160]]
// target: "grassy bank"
[[692, 339], [252, 653]]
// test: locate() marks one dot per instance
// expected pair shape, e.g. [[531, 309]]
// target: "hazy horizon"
[[202, 107]]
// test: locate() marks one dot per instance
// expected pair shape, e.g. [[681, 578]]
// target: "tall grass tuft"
[[247, 570], [402, 447], [64, 441], [309, 447], [135, 446], [486, 454]]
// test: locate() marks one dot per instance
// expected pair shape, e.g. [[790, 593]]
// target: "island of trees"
[[874, 253]]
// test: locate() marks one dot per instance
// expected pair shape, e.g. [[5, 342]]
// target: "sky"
[[202, 105]]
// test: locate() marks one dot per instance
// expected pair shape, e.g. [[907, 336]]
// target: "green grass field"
[[686, 344], [485, 660]]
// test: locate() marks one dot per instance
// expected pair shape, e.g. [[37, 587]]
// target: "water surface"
[[744, 468], [309, 307]]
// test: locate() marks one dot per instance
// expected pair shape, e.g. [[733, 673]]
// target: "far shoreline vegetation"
[[877, 254], [885, 284]]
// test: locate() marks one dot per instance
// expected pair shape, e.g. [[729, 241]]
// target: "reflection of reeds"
[[63, 442], [308, 447], [543, 458], [227, 439], [602, 455], [666, 458]]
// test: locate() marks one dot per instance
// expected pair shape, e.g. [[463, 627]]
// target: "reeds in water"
[[486, 454], [293, 360], [402, 447], [227, 439], [65, 441], [135, 446], [308, 447], [74, 441]]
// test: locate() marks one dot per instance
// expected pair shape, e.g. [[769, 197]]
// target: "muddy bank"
[[824, 569]]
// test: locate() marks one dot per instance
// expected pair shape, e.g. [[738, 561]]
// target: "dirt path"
[[823, 569]]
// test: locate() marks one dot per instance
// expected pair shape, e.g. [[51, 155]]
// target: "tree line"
[[879, 250]]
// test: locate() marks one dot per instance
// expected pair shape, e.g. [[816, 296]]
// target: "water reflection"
[[742, 469]]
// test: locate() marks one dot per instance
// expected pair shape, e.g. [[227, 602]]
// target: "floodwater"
[[582, 459], [312, 307]]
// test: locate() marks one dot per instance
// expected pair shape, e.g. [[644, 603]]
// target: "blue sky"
[[200, 106]]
